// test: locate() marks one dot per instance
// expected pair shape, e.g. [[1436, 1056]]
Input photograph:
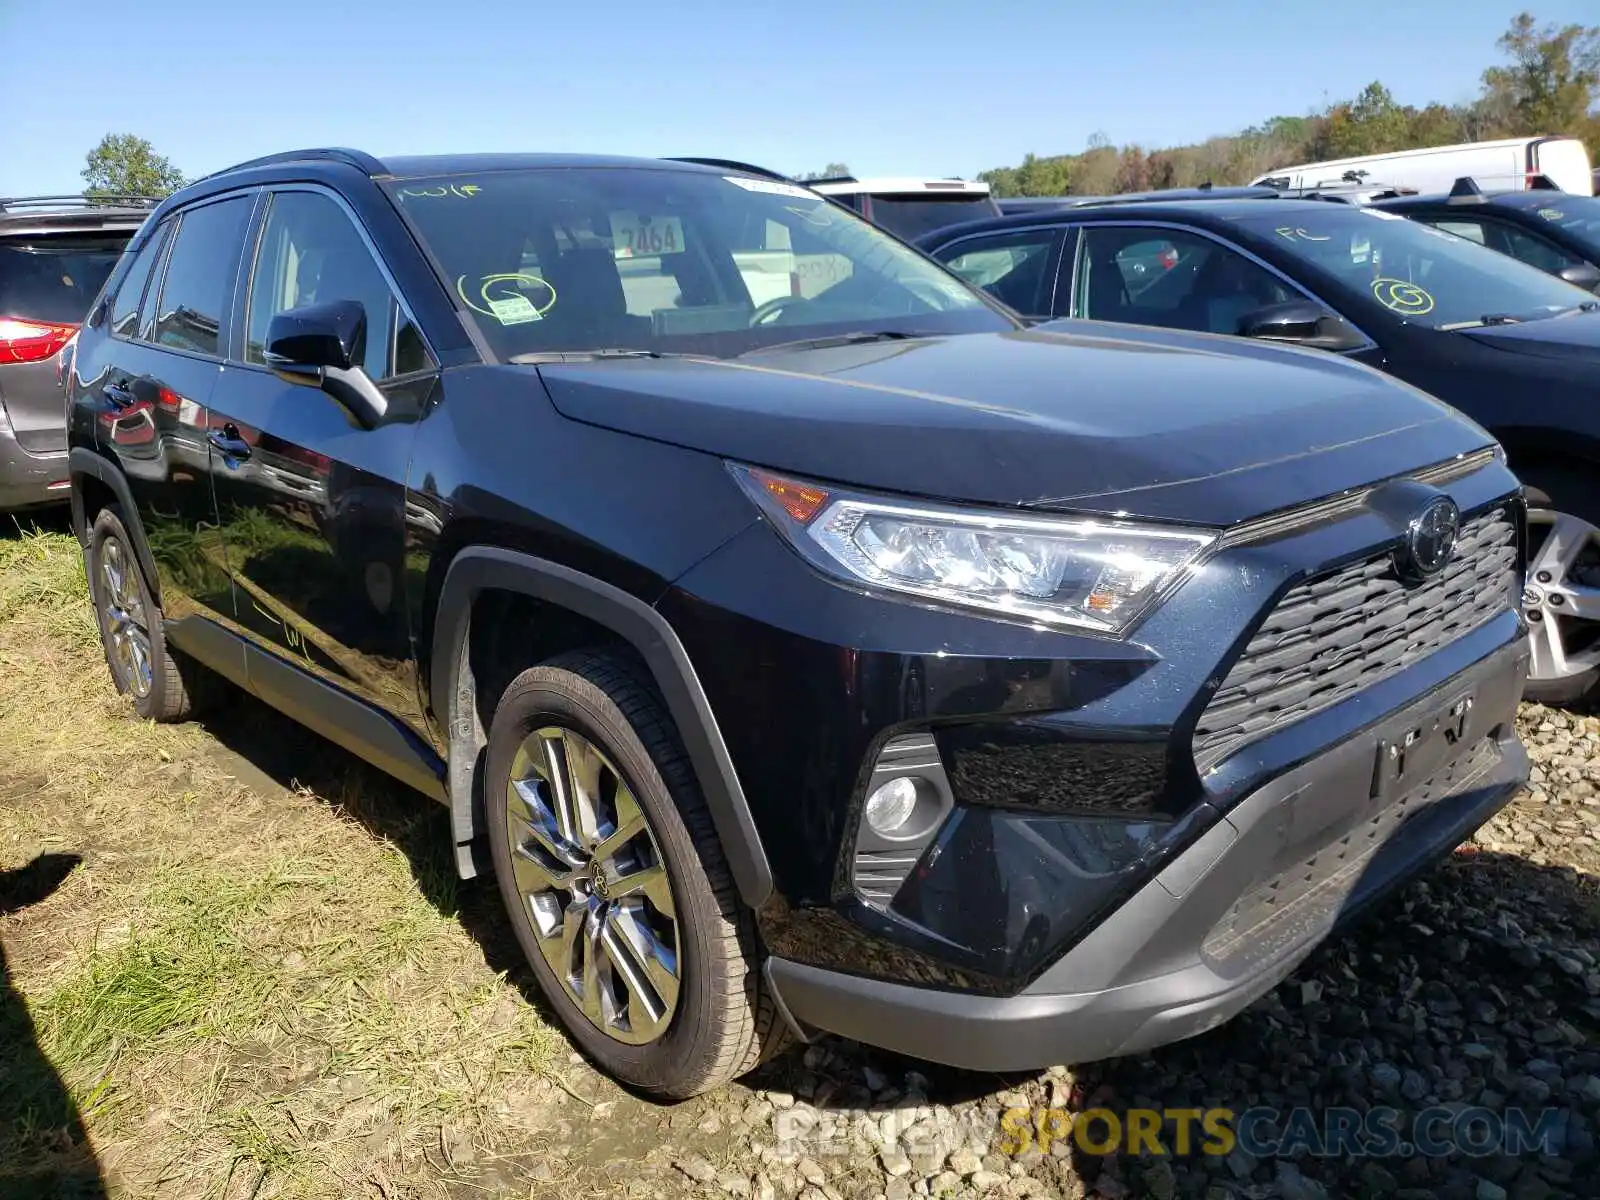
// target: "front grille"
[[1303, 902], [1334, 635]]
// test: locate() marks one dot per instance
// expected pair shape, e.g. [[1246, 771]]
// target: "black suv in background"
[[55, 254], [1542, 226], [1511, 347], [853, 659]]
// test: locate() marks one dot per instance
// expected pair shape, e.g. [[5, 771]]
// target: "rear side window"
[[200, 274], [125, 309], [1012, 267], [56, 277]]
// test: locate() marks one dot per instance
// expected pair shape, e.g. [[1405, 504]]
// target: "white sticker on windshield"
[[513, 310], [770, 186]]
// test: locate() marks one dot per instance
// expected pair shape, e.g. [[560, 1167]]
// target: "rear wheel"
[[1561, 599], [615, 882]]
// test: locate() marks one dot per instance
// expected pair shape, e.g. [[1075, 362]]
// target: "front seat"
[[591, 309]]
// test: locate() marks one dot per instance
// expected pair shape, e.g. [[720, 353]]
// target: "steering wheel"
[[768, 312]]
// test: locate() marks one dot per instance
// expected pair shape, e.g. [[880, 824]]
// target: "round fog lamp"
[[889, 806]]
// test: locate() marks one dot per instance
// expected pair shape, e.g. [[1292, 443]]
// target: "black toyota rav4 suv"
[[803, 644]]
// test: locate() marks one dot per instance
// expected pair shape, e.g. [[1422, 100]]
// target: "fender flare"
[[83, 461], [476, 568]]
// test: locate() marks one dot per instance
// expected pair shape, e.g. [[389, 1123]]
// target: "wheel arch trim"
[[82, 461], [475, 569]]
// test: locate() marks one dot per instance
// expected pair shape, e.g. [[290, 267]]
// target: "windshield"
[[911, 216], [672, 261], [1425, 276], [1579, 216], [56, 278]]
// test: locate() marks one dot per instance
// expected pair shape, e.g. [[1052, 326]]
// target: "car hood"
[[1570, 337], [1068, 416]]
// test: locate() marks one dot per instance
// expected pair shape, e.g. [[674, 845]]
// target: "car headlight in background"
[[1079, 572]]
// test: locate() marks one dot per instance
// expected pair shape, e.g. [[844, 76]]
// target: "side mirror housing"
[[1584, 275], [1302, 323], [323, 346]]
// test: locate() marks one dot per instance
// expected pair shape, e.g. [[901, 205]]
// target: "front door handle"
[[119, 396], [229, 444]]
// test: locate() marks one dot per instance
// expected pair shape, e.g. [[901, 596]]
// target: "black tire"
[[725, 1023], [1559, 488], [179, 687]]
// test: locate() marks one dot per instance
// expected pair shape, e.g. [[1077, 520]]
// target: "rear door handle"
[[229, 444], [118, 395]]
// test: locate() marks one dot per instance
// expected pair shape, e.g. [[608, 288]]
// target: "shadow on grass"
[[44, 1151], [291, 755]]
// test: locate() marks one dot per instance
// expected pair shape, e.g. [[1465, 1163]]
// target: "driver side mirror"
[[1301, 323], [1584, 275], [323, 346]]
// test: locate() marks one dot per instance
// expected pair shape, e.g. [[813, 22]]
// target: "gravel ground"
[[1478, 986]]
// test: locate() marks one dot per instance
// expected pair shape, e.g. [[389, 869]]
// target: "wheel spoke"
[[1564, 540], [590, 997], [1549, 655], [536, 819], [630, 823], [647, 967], [584, 767], [1582, 601], [650, 882], [553, 744]]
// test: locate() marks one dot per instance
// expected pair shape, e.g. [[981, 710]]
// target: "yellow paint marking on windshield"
[[464, 190], [496, 306], [1408, 299]]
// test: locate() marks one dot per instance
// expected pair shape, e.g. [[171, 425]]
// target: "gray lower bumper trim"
[[1233, 915], [26, 478]]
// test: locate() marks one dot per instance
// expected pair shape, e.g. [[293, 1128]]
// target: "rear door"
[[154, 376], [47, 283], [313, 506]]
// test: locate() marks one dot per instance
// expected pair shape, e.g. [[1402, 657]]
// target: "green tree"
[[125, 165], [1372, 123], [1551, 81]]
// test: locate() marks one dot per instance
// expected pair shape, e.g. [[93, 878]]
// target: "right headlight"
[[1077, 572]]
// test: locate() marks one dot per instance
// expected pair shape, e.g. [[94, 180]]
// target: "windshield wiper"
[[1487, 319], [535, 357], [839, 339]]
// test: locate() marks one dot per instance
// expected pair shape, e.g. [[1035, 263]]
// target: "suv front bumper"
[[1235, 913]]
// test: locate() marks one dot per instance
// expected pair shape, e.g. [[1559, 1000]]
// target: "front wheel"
[[1561, 598], [615, 883]]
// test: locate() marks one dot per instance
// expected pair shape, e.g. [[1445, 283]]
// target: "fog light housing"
[[890, 806], [907, 799]]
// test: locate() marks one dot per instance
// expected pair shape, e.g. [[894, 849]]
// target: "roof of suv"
[[1193, 210], [55, 214]]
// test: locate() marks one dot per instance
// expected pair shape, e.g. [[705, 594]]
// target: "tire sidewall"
[[549, 698]]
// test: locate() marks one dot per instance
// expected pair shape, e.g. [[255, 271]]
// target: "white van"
[[1507, 165], [909, 208]]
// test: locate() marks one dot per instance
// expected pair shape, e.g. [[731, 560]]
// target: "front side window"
[[1014, 268], [1169, 278], [671, 261], [1421, 274], [310, 253], [199, 278], [130, 292]]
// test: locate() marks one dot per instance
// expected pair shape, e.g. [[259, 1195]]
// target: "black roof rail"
[[1466, 191], [1543, 183], [731, 164], [78, 200], [358, 159]]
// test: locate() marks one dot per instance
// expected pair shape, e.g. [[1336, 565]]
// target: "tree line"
[[1547, 83]]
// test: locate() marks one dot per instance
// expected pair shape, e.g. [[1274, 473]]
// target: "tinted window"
[[199, 278], [1169, 278], [672, 261], [911, 216], [310, 253], [1537, 252], [1417, 272], [56, 277], [130, 292], [1012, 267]]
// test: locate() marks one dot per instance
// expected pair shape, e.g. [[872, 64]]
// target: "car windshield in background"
[[1423, 275], [672, 261], [55, 278], [1579, 216], [911, 216]]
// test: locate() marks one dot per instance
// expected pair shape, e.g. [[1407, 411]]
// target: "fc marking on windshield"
[[1291, 232]]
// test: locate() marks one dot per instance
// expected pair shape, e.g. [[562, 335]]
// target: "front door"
[[313, 506]]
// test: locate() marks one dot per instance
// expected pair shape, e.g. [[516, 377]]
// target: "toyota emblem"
[[1430, 540]]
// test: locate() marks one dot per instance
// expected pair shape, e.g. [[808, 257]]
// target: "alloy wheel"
[[127, 625], [594, 884], [1561, 598]]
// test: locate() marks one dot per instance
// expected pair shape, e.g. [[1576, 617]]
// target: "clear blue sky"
[[937, 87]]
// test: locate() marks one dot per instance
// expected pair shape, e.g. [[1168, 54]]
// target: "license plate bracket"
[[1405, 758]]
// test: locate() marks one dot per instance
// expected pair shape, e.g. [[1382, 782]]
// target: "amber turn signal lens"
[[799, 501]]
